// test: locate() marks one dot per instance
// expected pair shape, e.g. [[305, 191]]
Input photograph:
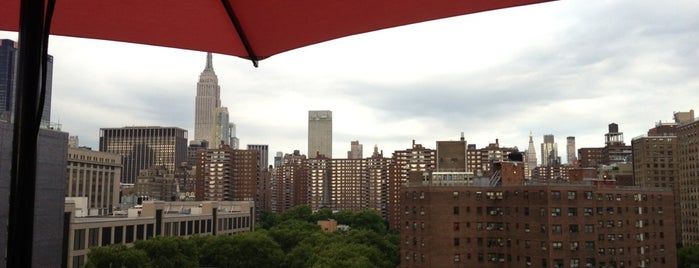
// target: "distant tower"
[[570, 150], [531, 156], [221, 127], [8, 67], [356, 151], [8, 74], [320, 133], [235, 142], [207, 100], [549, 151]]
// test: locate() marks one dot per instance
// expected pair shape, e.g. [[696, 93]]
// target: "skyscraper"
[[549, 151], [207, 100], [221, 127], [570, 150], [320, 133], [235, 142], [143, 147], [263, 152], [8, 73], [355, 151], [531, 157]]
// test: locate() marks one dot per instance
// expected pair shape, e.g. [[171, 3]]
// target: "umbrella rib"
[[241, 33]]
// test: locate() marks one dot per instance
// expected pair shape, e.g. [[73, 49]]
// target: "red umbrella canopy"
[[268, 27]]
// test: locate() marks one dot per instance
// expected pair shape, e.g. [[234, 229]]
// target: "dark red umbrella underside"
[[271, 26]]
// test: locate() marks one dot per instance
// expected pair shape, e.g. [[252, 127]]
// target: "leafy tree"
[[387, 244], [688, 257], [347, 255], [166, 252], [368, 219], [268, 220], [117, 255], [216, 251], [256, 249], [304, 250], [301, 213], [344, 217], [322, 214], [289, 233]]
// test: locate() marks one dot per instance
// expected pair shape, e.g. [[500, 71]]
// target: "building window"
[[558, 263], [574, 246], [555, 212], [79, 239], [571, 195], [456, 210], [457, 241], [589, 244], [456, 226], [93, 237], [555, 195], [573, 228], [457, 257], [572, 212], [79, 261], [556, 228], [557, 245], [574, 263]]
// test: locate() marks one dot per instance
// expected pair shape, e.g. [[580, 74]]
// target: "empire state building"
[[207, 101]]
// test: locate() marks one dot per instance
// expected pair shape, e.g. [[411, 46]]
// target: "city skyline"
[[567, 68]]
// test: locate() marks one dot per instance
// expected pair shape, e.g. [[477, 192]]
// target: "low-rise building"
[[154, 218]]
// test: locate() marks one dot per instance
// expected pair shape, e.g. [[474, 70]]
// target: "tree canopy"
[[289, 239]]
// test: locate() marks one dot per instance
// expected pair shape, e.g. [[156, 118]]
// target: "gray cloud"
[[567, 68]]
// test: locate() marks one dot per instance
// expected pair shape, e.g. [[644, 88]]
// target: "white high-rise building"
[[320, 133], [235, 142], [207, 100], [531, 157]]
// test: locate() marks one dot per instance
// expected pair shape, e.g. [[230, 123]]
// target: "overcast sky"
[[567, 68]]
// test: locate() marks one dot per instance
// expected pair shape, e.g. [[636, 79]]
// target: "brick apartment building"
[[413, 162], [227, 174], [688, 168], [289, 182], [479, 160], [501, 222]]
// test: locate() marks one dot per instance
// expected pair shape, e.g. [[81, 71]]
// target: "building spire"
[[209, 64]]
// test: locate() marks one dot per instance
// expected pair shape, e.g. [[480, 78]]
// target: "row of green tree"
[[289, 239]]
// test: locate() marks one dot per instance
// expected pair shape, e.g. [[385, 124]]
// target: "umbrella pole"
[[25, 135]]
